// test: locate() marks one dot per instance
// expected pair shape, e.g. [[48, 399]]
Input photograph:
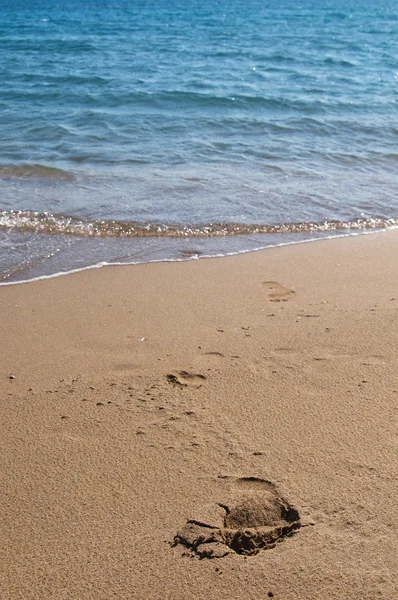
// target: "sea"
[[149, 130]]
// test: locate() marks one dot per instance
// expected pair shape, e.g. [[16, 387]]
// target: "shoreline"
[[134, 399], [100, 265]]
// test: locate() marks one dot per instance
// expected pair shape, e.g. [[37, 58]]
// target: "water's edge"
[[190, 258]]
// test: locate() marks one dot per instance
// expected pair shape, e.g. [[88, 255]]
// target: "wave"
[[34, 171], [48, 223]]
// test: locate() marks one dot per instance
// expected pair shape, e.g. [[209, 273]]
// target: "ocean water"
[[139, 130]]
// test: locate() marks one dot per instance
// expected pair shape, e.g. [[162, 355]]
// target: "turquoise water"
[[143, 130]]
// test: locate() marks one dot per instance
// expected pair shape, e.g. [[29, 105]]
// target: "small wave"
[[340, 62], [34, 171], [48, 223]]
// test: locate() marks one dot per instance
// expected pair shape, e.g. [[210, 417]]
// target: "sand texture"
[[222, 429]]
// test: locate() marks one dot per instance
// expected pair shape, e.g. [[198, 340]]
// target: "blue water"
[[142, 130]]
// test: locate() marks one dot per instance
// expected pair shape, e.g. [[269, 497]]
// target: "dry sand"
[[136, 398]]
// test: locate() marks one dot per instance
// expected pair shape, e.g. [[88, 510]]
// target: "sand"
[[205, 398]]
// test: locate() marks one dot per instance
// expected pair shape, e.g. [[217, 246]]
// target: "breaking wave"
[[48, 223]]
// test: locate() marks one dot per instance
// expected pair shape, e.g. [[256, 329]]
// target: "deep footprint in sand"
[[256, 517], [186, 379], [277, 292]]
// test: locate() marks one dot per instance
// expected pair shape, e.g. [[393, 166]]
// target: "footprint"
[[277, 292], [186, 379], [255, 517]]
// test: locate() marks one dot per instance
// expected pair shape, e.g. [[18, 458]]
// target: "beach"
[[136, 399]]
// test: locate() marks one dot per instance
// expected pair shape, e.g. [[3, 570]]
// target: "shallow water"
[[137, 131]]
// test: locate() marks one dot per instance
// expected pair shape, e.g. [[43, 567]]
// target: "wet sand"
[[137, 399]]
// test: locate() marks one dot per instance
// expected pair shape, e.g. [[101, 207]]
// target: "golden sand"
[[139, 400]]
